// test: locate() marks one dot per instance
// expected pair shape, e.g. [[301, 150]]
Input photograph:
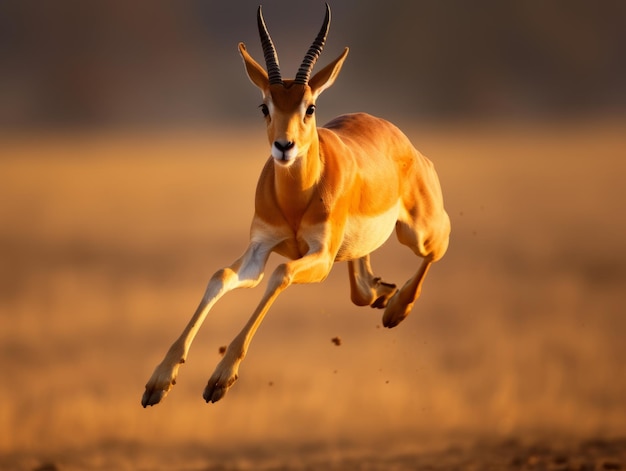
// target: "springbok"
[[325, 195]]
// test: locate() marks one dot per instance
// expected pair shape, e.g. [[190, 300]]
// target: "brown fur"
[[349, 185]]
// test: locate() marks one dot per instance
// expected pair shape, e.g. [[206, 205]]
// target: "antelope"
[[325, 195]]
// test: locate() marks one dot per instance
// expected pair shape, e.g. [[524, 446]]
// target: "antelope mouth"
[[284, 155], [284, 161]]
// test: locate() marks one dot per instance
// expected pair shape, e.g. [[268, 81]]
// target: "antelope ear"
[[256, 73], [326, 77]]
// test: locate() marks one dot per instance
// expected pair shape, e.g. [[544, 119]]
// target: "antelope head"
[[289, 105]]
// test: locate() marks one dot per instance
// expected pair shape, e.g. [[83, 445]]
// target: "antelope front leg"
[[164, 376], [245, 272], [226, 372], [309, 269]]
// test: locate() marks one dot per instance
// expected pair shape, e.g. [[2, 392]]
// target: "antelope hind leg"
[[367, 289], [402, 301]]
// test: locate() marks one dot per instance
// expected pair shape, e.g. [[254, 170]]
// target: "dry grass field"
[[514, 357]]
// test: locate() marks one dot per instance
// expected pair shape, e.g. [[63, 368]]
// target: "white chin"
[[284, 158], [284, 162], [289, 154]]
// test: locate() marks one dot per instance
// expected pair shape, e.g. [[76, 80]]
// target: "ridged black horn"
[[304, 72], [269, 51]]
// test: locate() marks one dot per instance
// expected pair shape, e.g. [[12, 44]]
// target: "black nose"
[[283, 146]]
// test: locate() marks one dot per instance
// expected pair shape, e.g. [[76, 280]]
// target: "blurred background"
[[115, 63], [130, 145]]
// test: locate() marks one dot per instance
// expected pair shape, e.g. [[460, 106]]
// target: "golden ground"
[[107, 242]]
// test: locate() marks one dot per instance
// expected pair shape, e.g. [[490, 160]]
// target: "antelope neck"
[[295, 185]]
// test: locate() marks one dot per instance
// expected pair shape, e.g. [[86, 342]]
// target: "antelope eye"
[[310, 110], [265, 110]]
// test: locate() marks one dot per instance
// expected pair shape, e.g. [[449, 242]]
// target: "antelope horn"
[[269, 51], [304, 72]]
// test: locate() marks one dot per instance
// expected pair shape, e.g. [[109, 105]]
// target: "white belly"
[[364, 234]]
